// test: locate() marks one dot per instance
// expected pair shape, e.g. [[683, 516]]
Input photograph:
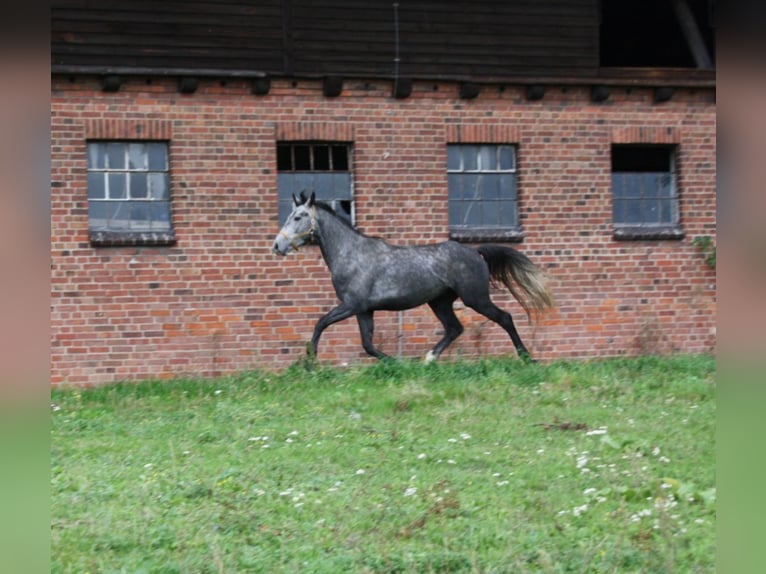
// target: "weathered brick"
[[219, 301]]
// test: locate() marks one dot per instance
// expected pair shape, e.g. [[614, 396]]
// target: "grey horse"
[[370, 274]]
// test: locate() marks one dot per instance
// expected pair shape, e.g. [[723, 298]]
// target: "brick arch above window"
[[646, 135], [125, 129], [482, 133], [319, 131]]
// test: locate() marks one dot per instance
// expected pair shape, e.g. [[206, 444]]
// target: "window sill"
[[632, 233], [486, 234], [131, 238]]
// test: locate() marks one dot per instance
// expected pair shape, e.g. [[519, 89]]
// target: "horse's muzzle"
[[277, 251]]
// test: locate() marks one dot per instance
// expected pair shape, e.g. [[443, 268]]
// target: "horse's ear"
[[312, 199], [295, 201]]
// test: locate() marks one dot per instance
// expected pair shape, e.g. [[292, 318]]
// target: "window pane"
[[96, 156], [491, 213], [664, 185], [285, 187], [115, 155], [667, 212], [470, 186], [508, 213], [470, 162], [618, 186], [136, 156], [303, 182], [507, 185], [117, 186], [302, 158], [490, 186], [118, 214], [140, 216], [507, 158], [342, 185], [138, 186], [96, 187], [632, 211], [323, 186], [340, 158], [284, 160], [472, 213], [650, 211], [97, 215], [159, 186], [453, 158], [160, 215], [157, 153], [456, 212], [321, 158], [486, 160], [454, 187]]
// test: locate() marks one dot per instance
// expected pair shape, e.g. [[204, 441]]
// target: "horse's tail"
[[506, 266]]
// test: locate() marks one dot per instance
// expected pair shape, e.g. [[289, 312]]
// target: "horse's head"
[[299, 228]]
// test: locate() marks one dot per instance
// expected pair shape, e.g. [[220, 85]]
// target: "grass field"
[[486, 466]]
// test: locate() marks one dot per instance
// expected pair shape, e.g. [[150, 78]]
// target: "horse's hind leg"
[[366, 330], [491, 311], [442, 308]]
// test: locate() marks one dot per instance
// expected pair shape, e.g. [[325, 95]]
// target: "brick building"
[[179, 132]]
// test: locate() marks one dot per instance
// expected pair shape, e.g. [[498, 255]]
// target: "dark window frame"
[[640, 209], [144, 191], [468, 173], [320, 166]]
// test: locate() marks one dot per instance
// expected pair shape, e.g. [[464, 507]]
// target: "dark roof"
[[486, 40]]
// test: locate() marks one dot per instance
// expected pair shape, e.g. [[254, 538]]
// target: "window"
[[321, 167], [482, 187], [129, 193], [657, 33], [644, 192]]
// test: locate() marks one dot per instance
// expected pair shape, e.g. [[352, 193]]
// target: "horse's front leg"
[[366, 330], [339, 313]]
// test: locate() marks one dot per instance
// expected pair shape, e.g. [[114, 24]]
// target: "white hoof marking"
[[430, 356]]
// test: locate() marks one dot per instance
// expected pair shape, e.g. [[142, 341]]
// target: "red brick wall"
[[218, 301]]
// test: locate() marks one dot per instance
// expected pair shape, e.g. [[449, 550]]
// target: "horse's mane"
[[329, 209], [324, 206]]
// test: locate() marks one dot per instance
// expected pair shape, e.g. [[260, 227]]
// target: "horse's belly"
[[406, 294]]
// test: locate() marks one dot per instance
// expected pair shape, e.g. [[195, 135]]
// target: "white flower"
[[597, 431], [465, 435], [421, 456], [360, 471], [217, 392], [501, 482], [578, 510], [410, 491]]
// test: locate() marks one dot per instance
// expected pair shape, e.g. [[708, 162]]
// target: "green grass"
[[487, 466]]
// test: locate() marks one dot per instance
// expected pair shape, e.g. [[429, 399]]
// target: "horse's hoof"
[[430, 357]]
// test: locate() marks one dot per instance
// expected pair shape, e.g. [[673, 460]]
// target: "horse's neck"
[[336, 240]]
